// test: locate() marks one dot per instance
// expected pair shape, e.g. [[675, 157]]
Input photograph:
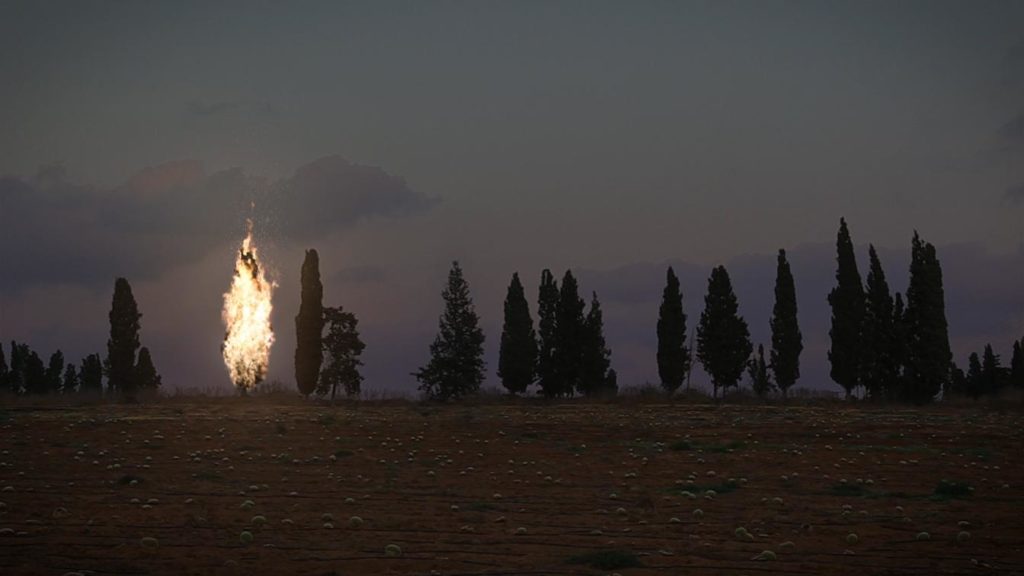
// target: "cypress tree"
[[975, 380], [91, 375], [16, 375], [569, 337], [456, 365], [757, 368], [900, 347], [54, 372], [879, 367], [1017, 365], [145, 372], [342, 349], [309, 325], [547, 321], [517, 357], [991, 372], [847, 302], [123, 342], [35, 373], [612, 383], [69, 384], [5, 371], [596, 357], [673, 356], [928, 353], [958, 382], [787, 341], [723, 340]]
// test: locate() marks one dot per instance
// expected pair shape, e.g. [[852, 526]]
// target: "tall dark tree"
[[757, 369], [928, 354], [309, 325], [456, 365], [900, 347], [847, 302], [787, 341], [146, 376], [673, 356], [35, 374], [975, 381], [54, 372], [16, 376], [991, 372], [69, 383], [517, 356], [1017, 365], [958, 382], [880, 368], [723, 339], [5, 371], [124, 341], [547, 320], [596, 357], [569, 337], [91, 376], [342, 349]]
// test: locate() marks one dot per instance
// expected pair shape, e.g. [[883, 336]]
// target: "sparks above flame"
[[246, 315]]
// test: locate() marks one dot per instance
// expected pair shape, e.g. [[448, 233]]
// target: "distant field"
[[509, 489]]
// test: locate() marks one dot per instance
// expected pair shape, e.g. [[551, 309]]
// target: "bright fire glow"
[[246, 315]]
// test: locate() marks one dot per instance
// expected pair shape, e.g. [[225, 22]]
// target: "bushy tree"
[[517, 356], [975, 380], [569, 337], [54, 372], [342, 349], [757, 369], [879, 370], [69, 383], [547, 321], [35, 373], [16, 376], [91, 375], [787, 341], [673, 356], [847, 302], [145, 372], [1017, 365], [928, 355], [596, 357], [723, 339], [123, 342], [958, 382], [5, 371], [992, 374], [456, 365], [309, 325]]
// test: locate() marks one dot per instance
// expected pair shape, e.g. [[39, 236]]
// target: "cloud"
[[55, 231], [1015, 194]]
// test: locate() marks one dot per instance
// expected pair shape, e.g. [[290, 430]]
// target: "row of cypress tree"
[[129, 369], [986, 375]]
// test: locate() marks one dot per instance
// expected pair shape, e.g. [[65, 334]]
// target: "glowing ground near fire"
[[247, 306]]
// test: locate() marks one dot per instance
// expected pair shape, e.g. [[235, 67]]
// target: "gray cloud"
[[55, 231], [1015, 194]]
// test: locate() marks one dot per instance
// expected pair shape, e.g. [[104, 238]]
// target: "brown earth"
[[508, 489]]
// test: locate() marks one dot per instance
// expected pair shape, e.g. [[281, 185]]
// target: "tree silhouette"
[[596, 357], [928, 353], [1017, 365], [342, 348], [879, 370], [991, 372], [673, 356], [517, 355], [900, 347], [69, 383], [723, 339], [35, 373], [5, 371], [123, 342], [787, 341], [309, 325], [456, 365], [54, 372], [91, 375], [760, 380], [975, 382], [847, 302], [145, 372], [547, 321], [569, 337], [16, 375]]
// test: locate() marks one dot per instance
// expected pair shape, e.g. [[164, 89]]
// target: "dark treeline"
[[128, 368]]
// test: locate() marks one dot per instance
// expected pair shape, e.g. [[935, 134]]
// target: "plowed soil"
[[509, 489]]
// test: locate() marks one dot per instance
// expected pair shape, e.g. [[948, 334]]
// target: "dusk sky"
[[612, 138]]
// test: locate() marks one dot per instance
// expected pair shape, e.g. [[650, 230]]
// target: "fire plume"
[[246, 315]]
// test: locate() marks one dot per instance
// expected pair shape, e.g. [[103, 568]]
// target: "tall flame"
[[246, 315]]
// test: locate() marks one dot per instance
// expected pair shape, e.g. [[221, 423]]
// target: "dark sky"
[[612, 138]]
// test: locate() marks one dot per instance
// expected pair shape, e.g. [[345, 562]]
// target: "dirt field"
[[177, 488]]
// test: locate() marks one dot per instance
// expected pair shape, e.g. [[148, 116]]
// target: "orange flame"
[[246, 314]]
